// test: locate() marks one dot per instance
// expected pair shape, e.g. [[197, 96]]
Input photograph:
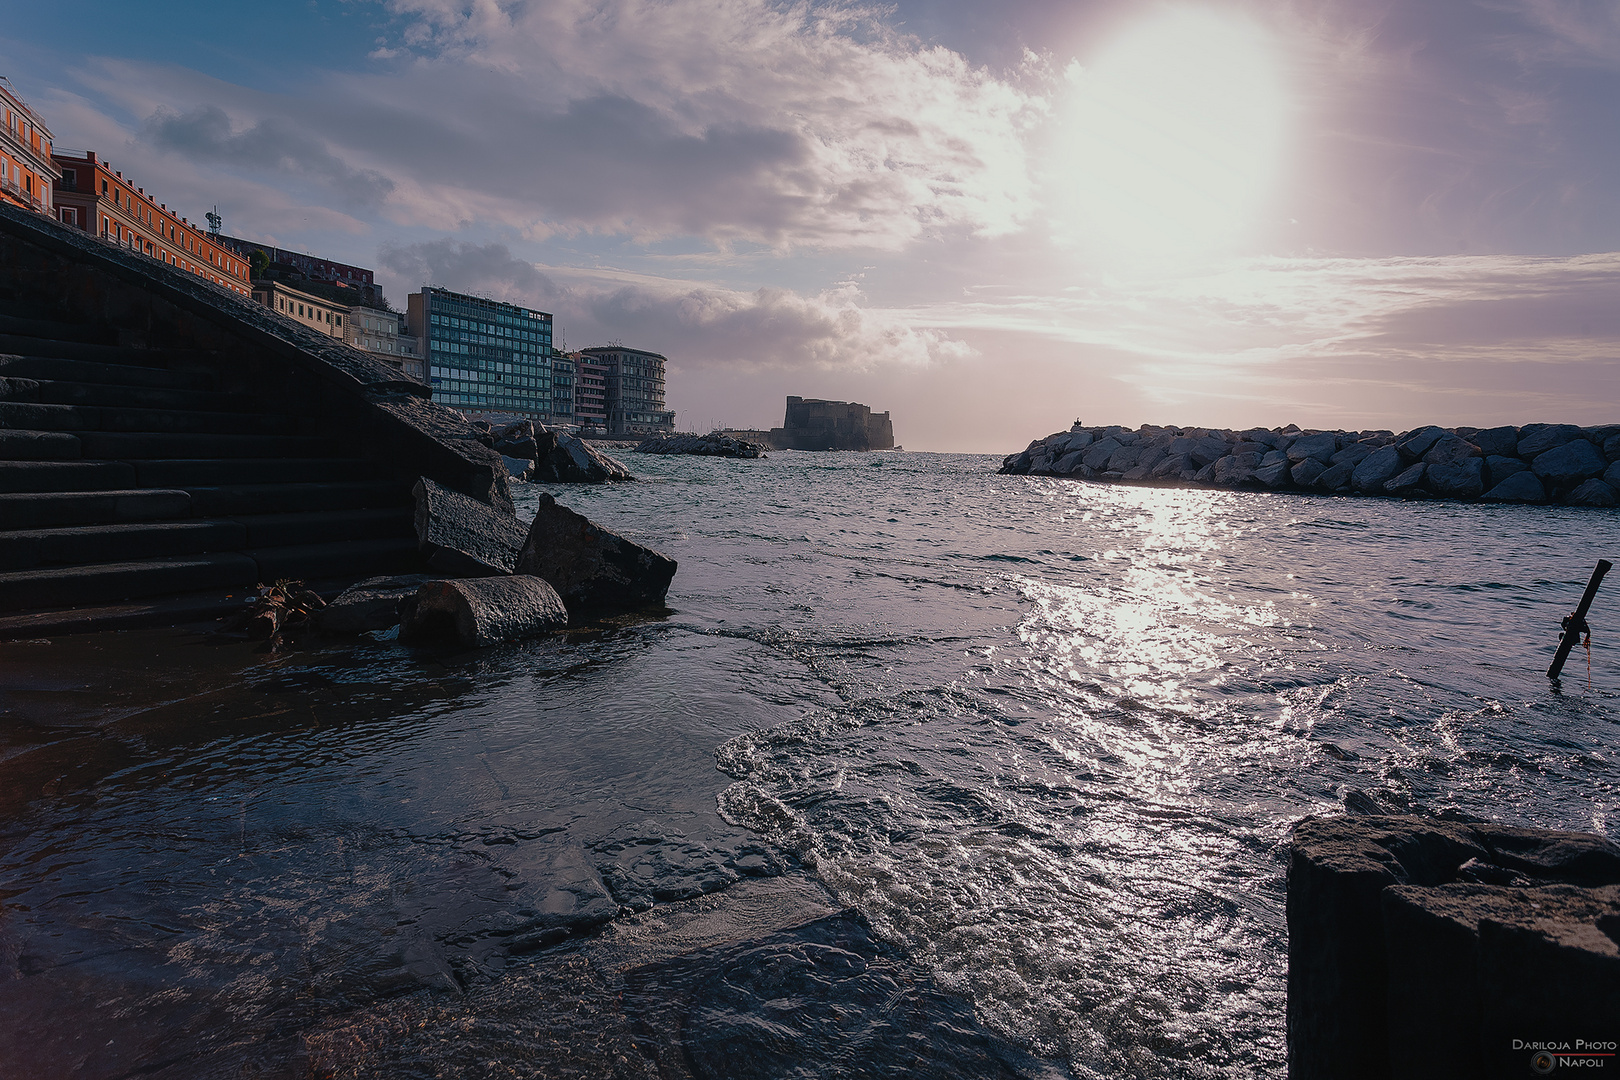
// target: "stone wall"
[[1536, 463]]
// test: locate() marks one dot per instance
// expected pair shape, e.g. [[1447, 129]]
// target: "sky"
[[990, 220]]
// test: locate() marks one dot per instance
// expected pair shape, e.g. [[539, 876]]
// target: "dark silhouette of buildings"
[[814, 424]]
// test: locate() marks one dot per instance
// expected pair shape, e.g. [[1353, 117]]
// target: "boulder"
[[1126, 457], [1611, 448], [714, 444], [566, 459], [1235, 469], [1248, 446], [1152, 455], [1274, 475], [475, 612], [1520, 487], [518, 468], [1078, 440], [372, 604], [1265, 437], [1322, 447], [1174, 465], [1340, 971], [463, 537], [1208, 450], [1498, 469], [1497, 440], [1611, 475], [1450, 448], [1592, 492], [1336, 477], [590, 566], [1309, 468], [1068, 463], [1539, 438], [1097, 454], [1463, 479], [1415, 444], [1273, 457], [1377, 469], [1355, 453], [1408, 481], [1570, 463]]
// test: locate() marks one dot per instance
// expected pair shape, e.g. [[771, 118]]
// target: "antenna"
[[214, 220]]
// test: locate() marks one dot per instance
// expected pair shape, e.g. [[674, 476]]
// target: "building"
[[290, 266], [484, 356], [313, 311], [27, 173], [590, 394], [93, 196], [817, 424], [380, 331], [635, 390]]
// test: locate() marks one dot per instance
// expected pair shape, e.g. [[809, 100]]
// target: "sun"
[[1171, 140]]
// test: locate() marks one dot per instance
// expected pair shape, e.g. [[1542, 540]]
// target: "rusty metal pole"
[[1575, 623]]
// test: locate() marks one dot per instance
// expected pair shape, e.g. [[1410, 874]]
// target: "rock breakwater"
[[714, 444], [1536, 463]]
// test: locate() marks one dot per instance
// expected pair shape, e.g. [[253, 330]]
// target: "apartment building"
[[383, 332], [93, 196], [484, 356], [27, 174], [635, 390]]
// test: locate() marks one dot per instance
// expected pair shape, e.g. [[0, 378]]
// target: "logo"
[[1542, 1062]]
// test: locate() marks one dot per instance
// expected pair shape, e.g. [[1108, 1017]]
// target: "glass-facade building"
[[485, 356]]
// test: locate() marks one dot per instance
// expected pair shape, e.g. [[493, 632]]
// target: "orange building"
[[91, 196], [26, 172]]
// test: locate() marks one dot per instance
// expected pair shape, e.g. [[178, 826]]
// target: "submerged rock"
[[591, 566], [372, 604], [463, 537], [475, 612]]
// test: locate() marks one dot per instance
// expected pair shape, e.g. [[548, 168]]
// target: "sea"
[[924, 771]]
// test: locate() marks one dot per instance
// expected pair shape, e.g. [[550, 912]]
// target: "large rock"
[[1570, 463], [1322, 447], [1305, 473], [1611, 448], [1539, 438], [1234, 469], [1463, 479], [1497, 440], [590, 566], [1336, 477], [1355, 453], [1097, 454], [372, 604], [1339, 970], [475, 612], [1273, 476], [1498, 468], [1408, 482], [566, 459], [1377, 469], [1173, 466], [1592, 492], [463, 537], [714, 444], [1126, 457], [1069, 462], [1208, 450], [1450, 448], [1417, 443], [1520, 487]]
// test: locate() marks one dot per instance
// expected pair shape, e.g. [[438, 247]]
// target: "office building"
[[484, 356], [27, 174], [635, 391], [95, 197], [383, 332]]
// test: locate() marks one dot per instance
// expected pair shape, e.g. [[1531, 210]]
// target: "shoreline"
[[1536, 463]]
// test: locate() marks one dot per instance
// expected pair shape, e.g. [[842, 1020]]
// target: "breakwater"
[[1535, 463]]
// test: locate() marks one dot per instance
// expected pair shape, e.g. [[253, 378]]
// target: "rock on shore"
[[1536, 463], [713, 444], [536, 453]]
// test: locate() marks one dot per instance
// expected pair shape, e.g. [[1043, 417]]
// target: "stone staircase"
[[136, 471]]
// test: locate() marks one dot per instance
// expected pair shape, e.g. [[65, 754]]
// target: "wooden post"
[[1575, 623]]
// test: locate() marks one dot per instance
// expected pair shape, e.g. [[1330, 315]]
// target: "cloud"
[[272, 144], [698, 326]]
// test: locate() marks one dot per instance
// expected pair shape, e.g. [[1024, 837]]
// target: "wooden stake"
[[1575, 623]]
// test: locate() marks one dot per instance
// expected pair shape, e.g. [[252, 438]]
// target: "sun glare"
[[1171, 140]]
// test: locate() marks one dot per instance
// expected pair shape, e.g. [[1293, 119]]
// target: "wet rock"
[[1463, 479], [1339, 972], [1450, 448], [1336, 477], [1611, 448], [1234, 469], [562, 458], [372, 604], [475, 612], [557, 896], [1305, 473], [641, 871], [1068, 463], [1377, 469], [1321, 447], [518, 468], [1611, 476], [1274, 475], [713, 444], [1520, 487], [1498, 469], [1570, 463], [1539, 438], [1173, 466], [1414, 445], [1355, 453], [1502, 441], [463, 537], [1097, 455], [1592, 492], [1408, 481], [1208, 450], [1126, 457], [590, 566]]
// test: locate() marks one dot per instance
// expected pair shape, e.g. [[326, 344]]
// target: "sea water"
[[1045, 737]]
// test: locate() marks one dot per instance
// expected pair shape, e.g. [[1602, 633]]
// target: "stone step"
[[31, 326], [55, 508], [331, 526], [45, 476], [47, 367], [25, 549], [351, 559], [235, 472], [58, 587], [137, 446], [230, 500], [38, 446], [58, 392], [20, 345], [43, 416]]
